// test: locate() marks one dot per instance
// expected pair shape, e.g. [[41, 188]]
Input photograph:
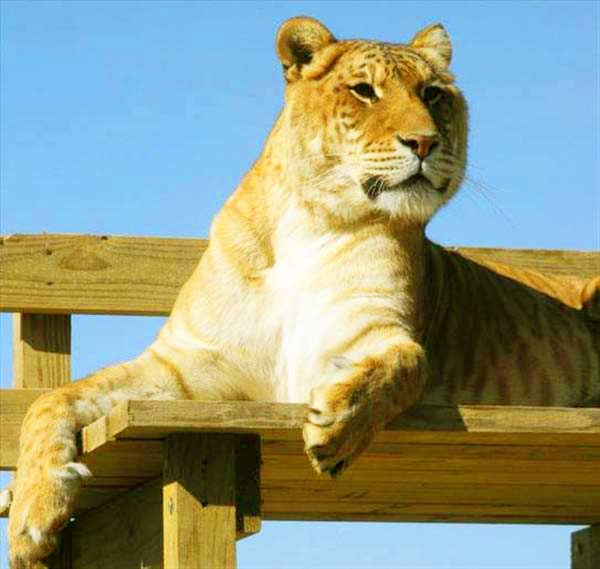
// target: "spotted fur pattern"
[[320, 287]]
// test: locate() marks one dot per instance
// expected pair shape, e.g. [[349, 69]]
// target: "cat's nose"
[[422, 145]]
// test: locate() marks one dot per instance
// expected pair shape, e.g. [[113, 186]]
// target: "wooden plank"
[[434, 513], [142, 275], [542, 425], [585, 548], [543, 476], [372, 469], [428, 491], [94, 274], [13, 406], [248, 494], [432, 454], [124, 533], [127, 462], [576, 264], [280, 425], [41, 350], [199, 511]]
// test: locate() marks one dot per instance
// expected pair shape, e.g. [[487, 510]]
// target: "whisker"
[[485, 191]]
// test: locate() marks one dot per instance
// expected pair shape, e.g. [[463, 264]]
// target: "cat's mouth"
[[376, 185]]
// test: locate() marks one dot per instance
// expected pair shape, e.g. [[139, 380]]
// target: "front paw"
[[345, 414], [42, 504], [337, 428]]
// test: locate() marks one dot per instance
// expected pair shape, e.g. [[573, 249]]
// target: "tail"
[[48, 477]]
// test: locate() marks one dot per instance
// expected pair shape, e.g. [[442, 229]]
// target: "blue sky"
[[140, 118]]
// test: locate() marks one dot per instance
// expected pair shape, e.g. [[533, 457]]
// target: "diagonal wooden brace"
[[208, 497]]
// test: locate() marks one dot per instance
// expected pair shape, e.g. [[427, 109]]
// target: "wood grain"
[[90, 274], [125, 533], [94, 274], [281, 424], [585, 548], [13, 406], [41, 350], [482, 468], [199, 511], [154, 419]]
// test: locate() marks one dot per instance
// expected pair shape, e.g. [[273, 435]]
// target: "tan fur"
[[319, 285]]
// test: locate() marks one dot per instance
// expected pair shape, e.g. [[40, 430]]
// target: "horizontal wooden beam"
[[283, 422], [90, 274], [461, 464], [425, 423]]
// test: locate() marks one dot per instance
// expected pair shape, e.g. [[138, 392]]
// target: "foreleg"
[[48, 477], [348, 409]]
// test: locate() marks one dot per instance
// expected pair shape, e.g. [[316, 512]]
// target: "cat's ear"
[[298, 39], [435, 44]]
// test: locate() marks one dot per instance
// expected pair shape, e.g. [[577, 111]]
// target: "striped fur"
[[319, 285]]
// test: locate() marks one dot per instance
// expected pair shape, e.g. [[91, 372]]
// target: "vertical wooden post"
[[199, 510], [42, 358], [585, 548], [248, 500], [41, 350]]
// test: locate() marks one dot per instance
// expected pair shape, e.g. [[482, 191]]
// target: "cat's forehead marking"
[[399, 61]]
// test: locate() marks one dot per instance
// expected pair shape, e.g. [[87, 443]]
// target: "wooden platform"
[[450, 464], [177, 482]]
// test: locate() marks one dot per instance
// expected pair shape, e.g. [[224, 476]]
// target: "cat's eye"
[[432, 94], [364, 91]]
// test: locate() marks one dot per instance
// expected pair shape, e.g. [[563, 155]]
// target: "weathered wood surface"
[[479, 464], [585, 548], [41, 350], [13, 406], [142, 275], [199, 511], [94, 274], [427, 423], [465, 464], [125, 533]]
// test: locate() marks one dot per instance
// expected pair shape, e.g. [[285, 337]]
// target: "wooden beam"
[[574, 264], [585, 548], [493, 424], [90, 274], [489, 465], [13, 406], [282, 424], [199, 511], [41, 350]]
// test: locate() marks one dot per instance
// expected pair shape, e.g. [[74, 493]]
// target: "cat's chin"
[[374, 186], [417, 201]]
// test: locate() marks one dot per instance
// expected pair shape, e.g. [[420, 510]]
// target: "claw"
[[336, 471]]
